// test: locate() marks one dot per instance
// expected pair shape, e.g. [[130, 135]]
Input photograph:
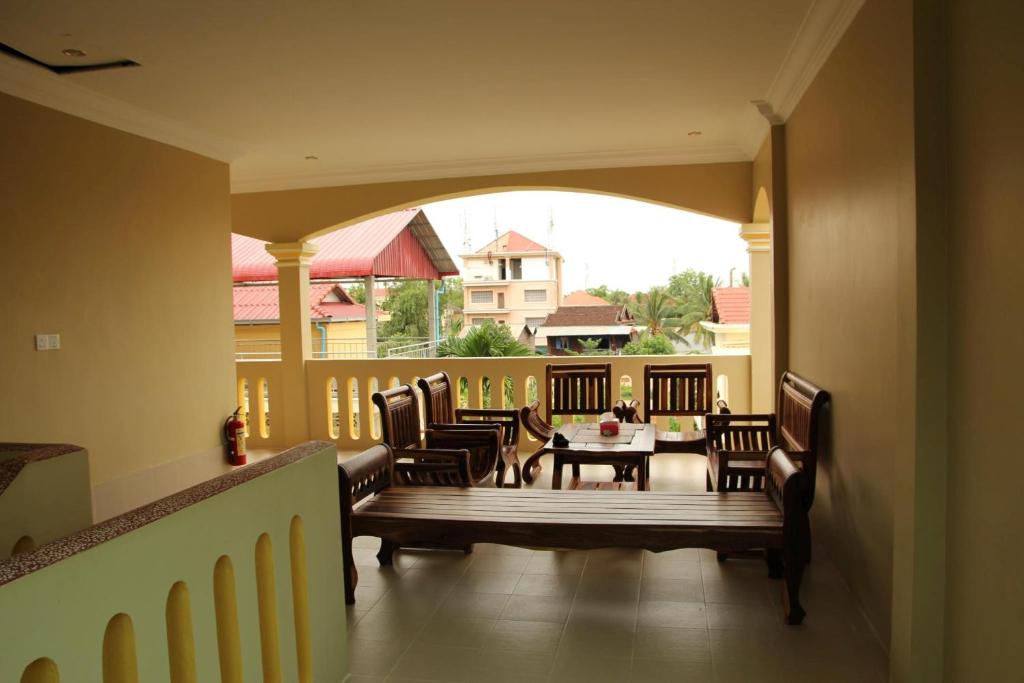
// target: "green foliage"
[[693, 292], [451, 306], [612, 296], [649, 345], [357, 292], [407, 304], [657, 311], [591, 347], [487, 340], [744, 280]]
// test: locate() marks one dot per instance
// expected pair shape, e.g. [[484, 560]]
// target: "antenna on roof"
[[467, 237], [551, 236], [494, 207]]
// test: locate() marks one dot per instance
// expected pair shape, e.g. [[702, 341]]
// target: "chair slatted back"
[[578, 389], [681, 389], [438, 398], [399, 416], [799, 405], [730, 438]]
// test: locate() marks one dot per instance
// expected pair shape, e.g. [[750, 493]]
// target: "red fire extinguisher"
[[234, 432]]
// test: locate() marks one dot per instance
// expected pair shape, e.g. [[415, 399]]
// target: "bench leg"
[[532, 466], [387, 550], [348, 566], [794, 611], [773, 556]]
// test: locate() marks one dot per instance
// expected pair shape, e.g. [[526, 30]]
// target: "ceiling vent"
[[65, 69]]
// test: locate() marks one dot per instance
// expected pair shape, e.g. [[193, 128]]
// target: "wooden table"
[[631, 447]]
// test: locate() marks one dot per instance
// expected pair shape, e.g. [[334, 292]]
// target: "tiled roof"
[[260, 303], [573, 316], [582, 298], [512, 241], [398, 244], [731, 305]]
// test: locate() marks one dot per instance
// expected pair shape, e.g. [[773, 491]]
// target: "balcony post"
[[432, 306], [371, 316], [762, 376], [290, 412]]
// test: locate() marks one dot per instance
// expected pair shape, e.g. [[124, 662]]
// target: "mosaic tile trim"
[[10, 468], [61, 549]]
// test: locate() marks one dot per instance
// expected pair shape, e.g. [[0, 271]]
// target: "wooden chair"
[[794, 427], [451, 457], [441, 414], [678, 390], [576, 389], [737, 448]]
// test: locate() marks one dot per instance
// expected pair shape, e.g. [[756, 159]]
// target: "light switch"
[[47, 342]]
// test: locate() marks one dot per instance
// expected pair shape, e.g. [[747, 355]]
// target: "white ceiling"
[[393, 89]]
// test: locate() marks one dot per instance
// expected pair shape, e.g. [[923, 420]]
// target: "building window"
[[482, 296], [534, 322], [517, 268], [478, 321], [535, 296]]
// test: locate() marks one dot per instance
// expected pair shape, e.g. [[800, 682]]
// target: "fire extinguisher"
[[234, 432]]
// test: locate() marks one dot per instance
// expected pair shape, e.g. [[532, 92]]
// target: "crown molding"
[[490, 166], [35, 84], [823, 26]]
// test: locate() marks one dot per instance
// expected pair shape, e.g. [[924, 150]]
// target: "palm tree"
[[696, 306], [656, 310], [485, 341]]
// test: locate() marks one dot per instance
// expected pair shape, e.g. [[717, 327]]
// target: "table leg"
[[556, 473], [641, 475]]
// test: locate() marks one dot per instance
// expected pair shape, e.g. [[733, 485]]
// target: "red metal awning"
[[402, 244]]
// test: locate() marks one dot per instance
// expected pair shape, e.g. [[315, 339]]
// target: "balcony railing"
[[356, 347], [340, 409]]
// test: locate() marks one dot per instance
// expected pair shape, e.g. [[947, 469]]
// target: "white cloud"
[[622, 243]]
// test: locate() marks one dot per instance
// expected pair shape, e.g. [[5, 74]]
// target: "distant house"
[[513, 281], [730, 320], [610, 324], [336, 320], [583, 298]]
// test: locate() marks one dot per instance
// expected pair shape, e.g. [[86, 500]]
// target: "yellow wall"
[[349, 329], [110, 240], [849, 157], [288, 215], [985, 598]]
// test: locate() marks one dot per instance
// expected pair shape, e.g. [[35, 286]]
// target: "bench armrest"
[[784, 484], [432, 467], [367, 473], [534, 423]]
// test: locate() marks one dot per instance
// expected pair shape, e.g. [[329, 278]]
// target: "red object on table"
[[609, 424]]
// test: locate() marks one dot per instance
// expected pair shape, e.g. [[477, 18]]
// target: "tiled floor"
[[510, 614]]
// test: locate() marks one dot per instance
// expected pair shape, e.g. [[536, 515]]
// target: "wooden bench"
[[775, 519]]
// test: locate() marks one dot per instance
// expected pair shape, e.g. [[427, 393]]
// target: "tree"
[[612, 296], [744, 280], [357, 292], [451, 305], [590, 347], [488, 340], [649, 345], [656, 310], [692, 290], [407, 304]]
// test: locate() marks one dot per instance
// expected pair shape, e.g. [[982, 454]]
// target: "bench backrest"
[[438, 398], [800, 404], [578, 389], [678, 389], [399, 416]]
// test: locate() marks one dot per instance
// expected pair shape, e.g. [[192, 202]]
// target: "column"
[[432, 306], [289, 409], [371, 316], [762, 377]]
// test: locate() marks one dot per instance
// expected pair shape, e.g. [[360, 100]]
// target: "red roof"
[[583, 298], [393, 245], [575, 316], [512, 241], [326, 301], [731, 305]]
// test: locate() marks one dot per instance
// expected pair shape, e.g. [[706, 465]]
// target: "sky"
[[622, 243]]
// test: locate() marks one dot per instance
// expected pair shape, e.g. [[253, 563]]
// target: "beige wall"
[[288, 215], [985, 595], [110, 240], [849, 161]]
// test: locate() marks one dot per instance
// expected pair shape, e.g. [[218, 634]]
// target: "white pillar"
[[289, 409], [762, 357], [371, 317], [432, 328]]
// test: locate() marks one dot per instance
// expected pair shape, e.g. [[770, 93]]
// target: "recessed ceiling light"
[[312, 157], [694, 133], [72, 52]]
